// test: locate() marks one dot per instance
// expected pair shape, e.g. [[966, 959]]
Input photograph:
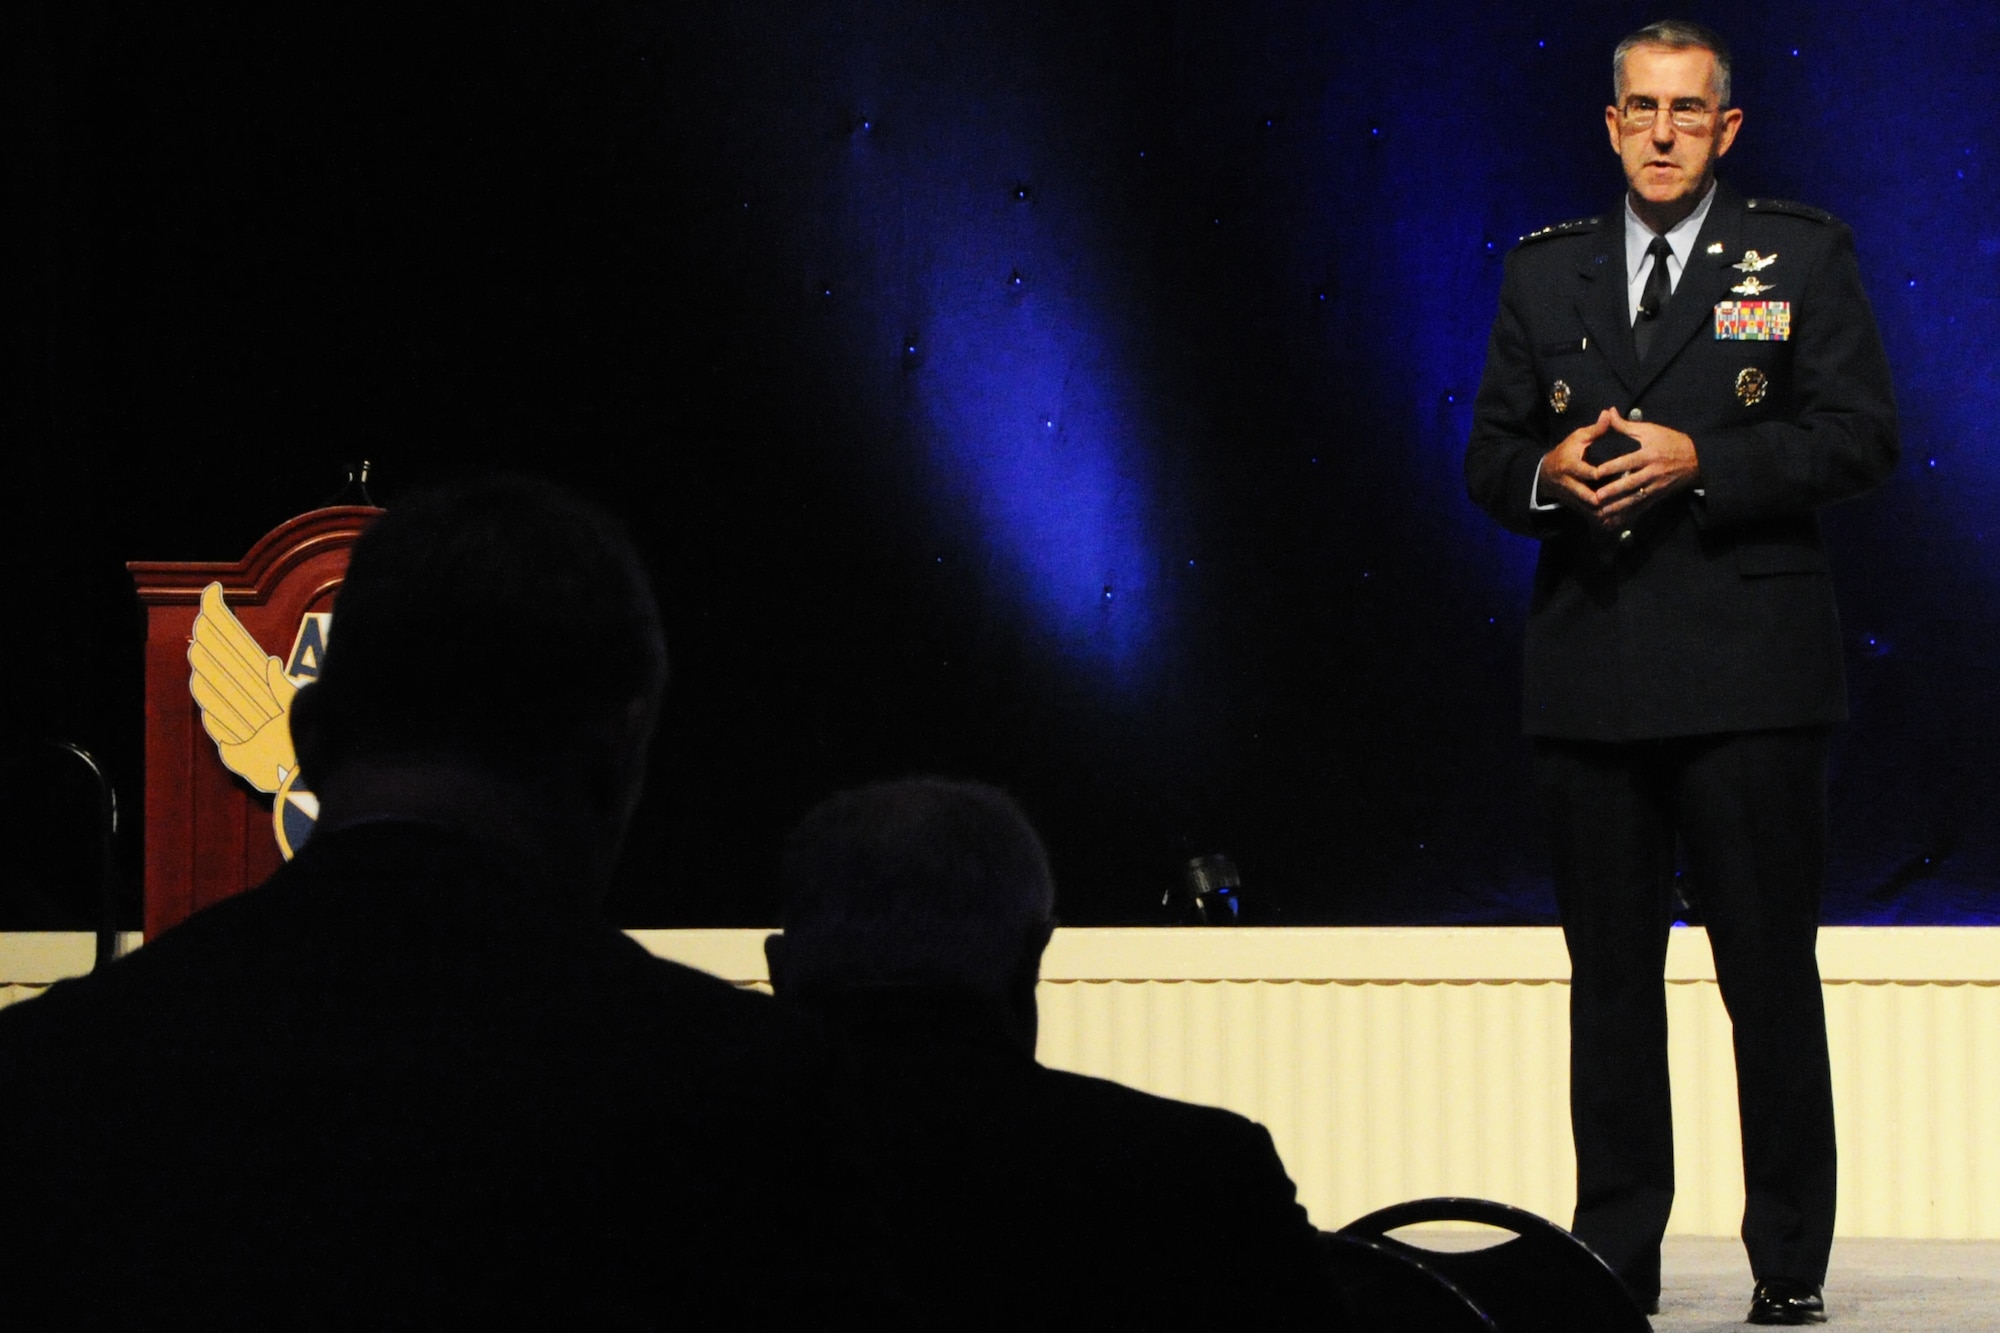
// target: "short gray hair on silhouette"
[[1675, 35], [922, 881]]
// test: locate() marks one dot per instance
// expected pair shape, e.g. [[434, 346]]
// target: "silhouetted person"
[[414, 1078], [1021, 1197]]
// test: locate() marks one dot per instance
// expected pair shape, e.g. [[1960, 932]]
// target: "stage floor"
[[1874, 1286]]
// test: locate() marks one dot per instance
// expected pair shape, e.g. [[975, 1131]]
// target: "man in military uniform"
[[1672, 390]]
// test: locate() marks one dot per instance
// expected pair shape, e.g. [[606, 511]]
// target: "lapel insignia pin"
[[1715, 247], [1751, 384], [1559, 397], [1754, 262], [1752, 287]]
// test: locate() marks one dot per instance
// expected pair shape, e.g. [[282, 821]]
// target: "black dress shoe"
[[1779, 1300]]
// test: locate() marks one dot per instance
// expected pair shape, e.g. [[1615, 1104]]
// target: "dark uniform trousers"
[[1680, 679], [1748, 812]]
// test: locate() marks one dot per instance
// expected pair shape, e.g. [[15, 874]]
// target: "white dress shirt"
[[1638, 264]]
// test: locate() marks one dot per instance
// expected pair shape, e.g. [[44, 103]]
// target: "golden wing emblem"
[[245, 699]]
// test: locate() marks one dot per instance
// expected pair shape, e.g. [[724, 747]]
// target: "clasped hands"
[[1613, 493]]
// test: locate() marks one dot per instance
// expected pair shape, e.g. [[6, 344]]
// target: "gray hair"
[[1675, 35], [922, 881]]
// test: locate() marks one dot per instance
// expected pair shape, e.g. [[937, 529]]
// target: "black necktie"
[[1654, 299]]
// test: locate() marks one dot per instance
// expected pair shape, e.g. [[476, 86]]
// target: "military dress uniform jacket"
[[1713, 611]]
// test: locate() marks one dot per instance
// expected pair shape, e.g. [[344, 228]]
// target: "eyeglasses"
[[1690, 115]]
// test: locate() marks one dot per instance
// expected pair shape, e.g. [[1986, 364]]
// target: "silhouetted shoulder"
[[417, 1069], [1160, 1143]]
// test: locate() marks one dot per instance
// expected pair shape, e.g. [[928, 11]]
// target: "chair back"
[[1389, 1290], [59, 826], [1540, 1280]]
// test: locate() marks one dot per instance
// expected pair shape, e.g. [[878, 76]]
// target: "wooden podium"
[[209, 832]]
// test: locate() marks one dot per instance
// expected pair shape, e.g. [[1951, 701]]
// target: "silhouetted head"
[[922, 882], [498, 636]]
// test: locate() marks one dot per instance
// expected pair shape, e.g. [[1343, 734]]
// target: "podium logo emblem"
[[245, 696]]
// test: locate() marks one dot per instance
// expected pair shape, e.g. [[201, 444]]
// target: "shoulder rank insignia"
[[1574, 227], [1790, 208], [1752, 287], [1752, 261]]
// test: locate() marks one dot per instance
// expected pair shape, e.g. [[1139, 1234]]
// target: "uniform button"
[[1635, 415]]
